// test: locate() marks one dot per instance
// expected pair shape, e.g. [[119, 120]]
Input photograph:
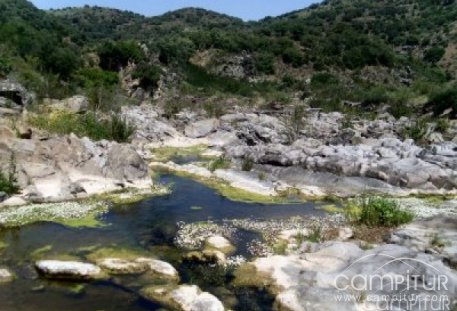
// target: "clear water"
[[148, 225]]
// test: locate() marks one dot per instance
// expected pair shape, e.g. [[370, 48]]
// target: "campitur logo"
[[393, 284]]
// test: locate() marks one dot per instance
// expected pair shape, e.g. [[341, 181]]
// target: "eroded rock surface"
[[68, 270], [183, 298]]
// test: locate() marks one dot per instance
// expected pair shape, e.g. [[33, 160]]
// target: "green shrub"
[[444, 99], [8, 181], [323, 79], [95, 77], [417, 131], [264, 63], [114, 55], [377, 212], [5, 67], [434, 54], [315, 236], [219, 163], [374, 96], [247, 165], [442, 125], [120, 129]]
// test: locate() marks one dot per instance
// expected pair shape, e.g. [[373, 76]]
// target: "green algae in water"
[[72, 214], [39, 252], [131, 196], [196, 208], [330, 208], [236, 194], [117, 252], [165, 154], [3, 245]]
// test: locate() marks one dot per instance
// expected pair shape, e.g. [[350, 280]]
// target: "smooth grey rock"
[[68, 270], [201, 128], [5, 276], [124, 163]]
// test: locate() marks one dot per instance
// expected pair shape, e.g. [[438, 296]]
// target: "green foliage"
[[247, 165], [442, 125], [114, 55], [8, 181], [315, 236], [5, 67], [95, 77], [323, 79], [417, 130], [444, 99], [377, 212], [264, 63], [89, 124], [61, 61], [120, 130], [148, 74], [434, 54], [201, 80], [374, 96], [293, 57], [219, 163]]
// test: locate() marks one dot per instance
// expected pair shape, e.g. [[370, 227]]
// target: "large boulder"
[[15, 94], [201, 128], [76, 104], [68, 270], [183, 298], [337, 275], [124, 163]]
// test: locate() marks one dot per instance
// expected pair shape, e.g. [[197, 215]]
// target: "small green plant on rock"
[[442, 125], [219, 163], [247, 165], [416, 131], [377, 212], [315, 235]]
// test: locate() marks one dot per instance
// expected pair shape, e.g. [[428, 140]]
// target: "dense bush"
[[114, 55], [377, 212], [444, 99], [5, 67], [434, 54], [148, 74], [264, 63]]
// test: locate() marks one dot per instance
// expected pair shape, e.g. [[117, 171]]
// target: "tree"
[[115, 55]]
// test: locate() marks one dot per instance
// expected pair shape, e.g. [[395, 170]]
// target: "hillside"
[[362, 52]]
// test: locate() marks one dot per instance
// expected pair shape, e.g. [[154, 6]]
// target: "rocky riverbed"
[[302, 263], [329, 156]]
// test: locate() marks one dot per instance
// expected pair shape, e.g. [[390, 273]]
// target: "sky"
[[245, 9]]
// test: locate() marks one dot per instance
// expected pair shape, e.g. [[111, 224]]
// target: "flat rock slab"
[[140, 265], [68, 270]]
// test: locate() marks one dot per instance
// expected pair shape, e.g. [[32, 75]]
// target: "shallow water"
[[149, 225]]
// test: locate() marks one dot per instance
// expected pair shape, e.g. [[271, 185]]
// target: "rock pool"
[[147, 227]]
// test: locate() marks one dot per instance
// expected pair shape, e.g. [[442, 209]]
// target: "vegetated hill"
[[103, 23], [365, 53]]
